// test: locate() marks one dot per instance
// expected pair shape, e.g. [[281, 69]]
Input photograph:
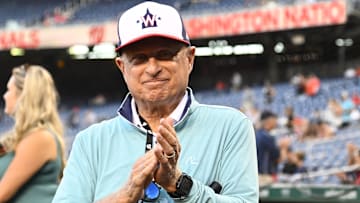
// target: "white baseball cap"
[[150, 19]]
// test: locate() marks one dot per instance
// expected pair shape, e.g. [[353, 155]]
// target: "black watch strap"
[[183, 187]]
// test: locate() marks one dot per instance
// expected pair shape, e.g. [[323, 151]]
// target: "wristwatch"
[[183, 187]]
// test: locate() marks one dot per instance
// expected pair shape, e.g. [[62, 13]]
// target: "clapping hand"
[[167, 152]]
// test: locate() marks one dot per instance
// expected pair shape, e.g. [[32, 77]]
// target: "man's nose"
[[153, 67]]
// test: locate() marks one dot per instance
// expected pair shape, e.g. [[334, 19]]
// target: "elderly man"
[[164, 146]]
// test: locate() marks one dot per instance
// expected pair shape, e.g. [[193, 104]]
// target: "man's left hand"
[[167, 151]]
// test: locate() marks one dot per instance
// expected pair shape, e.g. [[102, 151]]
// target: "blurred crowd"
[[276, 133]]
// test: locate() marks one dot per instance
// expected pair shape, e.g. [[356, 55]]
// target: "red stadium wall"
[[238, 23]]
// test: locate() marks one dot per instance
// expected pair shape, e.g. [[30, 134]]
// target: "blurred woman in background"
[[32, 152]]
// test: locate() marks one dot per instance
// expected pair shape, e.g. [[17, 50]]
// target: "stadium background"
[[320, 37]]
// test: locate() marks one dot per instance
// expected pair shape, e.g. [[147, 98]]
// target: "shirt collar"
[[175, 115]]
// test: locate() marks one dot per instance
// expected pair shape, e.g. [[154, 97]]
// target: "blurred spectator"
[[90, 118], [287, 120], [315, 115], [220, 86], [294, 163], [312, 85], [324, 130], [353, 154], [269, 152], [182, 4], [46, 19], [356, 99], [269, 92], [317, 129], [59, 16], [236, 81], [347, 106], [298, 81], [204, 1], [357, 70], [311, 131], [248, 95], [289, 113], [353, 159], [350, 73], [74, 118], [299, 126], [98, 100], [332, 114]]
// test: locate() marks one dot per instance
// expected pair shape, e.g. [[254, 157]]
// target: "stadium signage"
[[242, 22], [270, 19], [23, 39], [58, 37]]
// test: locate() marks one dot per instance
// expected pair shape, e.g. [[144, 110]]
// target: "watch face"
[[186, 184], [183, 187]]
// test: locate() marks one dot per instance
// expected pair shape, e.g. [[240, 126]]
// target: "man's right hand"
[[141, 175]]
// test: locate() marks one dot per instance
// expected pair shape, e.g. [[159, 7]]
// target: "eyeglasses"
[[151, 193], [161, 55]]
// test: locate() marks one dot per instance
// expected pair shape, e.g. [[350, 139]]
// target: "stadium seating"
[[29, 11], [108, 10], [32, 13], [105, 10], [328, 154], [286, 96]]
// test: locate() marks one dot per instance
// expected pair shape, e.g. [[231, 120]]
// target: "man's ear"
[[191, 57], [120, 64]]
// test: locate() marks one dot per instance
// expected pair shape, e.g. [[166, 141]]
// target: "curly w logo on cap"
[[149, 20]]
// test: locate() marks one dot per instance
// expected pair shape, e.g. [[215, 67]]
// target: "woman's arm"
[[31, 154]]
